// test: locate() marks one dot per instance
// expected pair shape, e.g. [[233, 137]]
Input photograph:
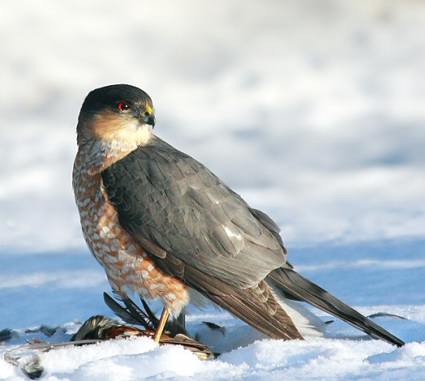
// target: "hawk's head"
[[116, 114]]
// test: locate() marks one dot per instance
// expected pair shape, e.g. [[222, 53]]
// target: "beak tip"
[[149, 120]]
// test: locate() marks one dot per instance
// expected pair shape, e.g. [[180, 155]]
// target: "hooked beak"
[[149, 119], [147, 116]]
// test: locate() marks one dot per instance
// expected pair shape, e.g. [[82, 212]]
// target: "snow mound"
[[141, 358], [343, 355]]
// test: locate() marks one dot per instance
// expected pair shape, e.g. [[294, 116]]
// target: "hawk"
[[164, 226]]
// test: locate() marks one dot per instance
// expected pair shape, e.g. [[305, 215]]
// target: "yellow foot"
[[161, 325]]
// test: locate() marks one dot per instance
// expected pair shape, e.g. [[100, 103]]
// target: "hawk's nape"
[[200, 231]]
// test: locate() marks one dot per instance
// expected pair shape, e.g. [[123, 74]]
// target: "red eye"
[[123, 106]]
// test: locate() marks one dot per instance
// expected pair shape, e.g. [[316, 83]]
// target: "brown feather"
[[257, 306]]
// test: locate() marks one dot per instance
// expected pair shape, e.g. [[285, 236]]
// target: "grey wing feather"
[[168, 198], [269, 224]]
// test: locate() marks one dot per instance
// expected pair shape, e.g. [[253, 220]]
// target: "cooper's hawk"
[[161, 224]]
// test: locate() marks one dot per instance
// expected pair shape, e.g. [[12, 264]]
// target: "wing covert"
[[169, 199]]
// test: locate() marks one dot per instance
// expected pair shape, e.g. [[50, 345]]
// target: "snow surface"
[[312, 110], [67, 287]]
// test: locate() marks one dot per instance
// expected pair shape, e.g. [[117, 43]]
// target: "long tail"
[[298, 287]]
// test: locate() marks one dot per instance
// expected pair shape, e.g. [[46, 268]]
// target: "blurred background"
[[314, 111]]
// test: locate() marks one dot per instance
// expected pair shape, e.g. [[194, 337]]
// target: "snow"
[[317, 358], [343, 354], [313, 111]]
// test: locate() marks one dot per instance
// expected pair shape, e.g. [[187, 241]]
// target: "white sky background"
[[312, 110]]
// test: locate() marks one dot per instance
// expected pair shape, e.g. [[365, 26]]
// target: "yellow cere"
[[149, 109]]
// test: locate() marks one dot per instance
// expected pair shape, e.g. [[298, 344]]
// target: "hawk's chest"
[[124, 260], [112, 246]]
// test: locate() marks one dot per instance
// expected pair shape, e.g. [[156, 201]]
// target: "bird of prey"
[[164, 226]]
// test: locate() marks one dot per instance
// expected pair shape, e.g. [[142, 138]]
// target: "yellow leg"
[[161, 325]]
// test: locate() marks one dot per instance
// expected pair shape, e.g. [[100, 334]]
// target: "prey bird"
[[164, 226]]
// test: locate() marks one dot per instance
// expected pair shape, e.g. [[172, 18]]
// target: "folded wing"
[[175, 205]]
